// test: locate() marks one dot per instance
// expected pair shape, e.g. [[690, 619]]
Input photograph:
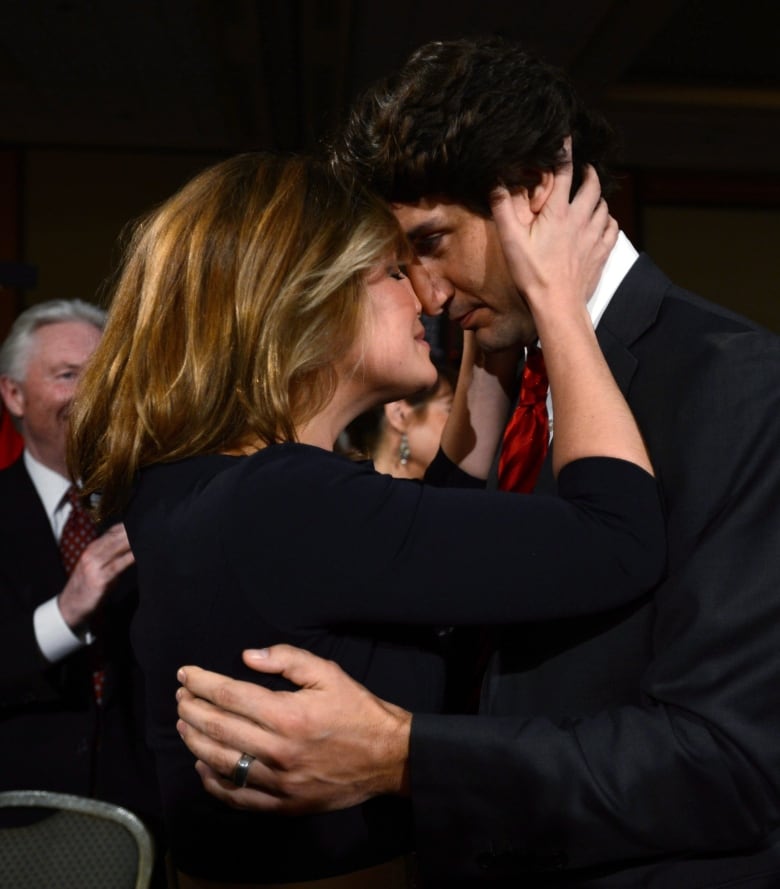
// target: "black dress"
[[296, 544]]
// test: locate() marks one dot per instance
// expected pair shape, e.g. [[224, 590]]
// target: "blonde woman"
[[258, 312]]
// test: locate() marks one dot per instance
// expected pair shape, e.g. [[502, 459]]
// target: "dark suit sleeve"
[[31, 572], [692, 766], [20, 657]]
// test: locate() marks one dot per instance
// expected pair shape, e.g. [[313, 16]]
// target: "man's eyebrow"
[[64, 365]]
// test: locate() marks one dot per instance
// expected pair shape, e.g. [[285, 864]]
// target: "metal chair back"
[[59, 840]]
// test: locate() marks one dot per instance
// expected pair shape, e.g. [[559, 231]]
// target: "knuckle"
[[296, 723], [214, 729], [224, 697]]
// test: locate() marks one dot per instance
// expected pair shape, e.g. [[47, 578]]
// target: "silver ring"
[[241, 771]]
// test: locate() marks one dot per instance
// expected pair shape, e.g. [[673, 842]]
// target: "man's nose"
[[433, 292]]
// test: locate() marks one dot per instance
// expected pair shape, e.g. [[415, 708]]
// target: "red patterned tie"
[[526, 436], [78, 532]]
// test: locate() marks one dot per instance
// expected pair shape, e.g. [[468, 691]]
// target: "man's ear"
[[528, 202], [13, 397], [538, 195], [397, 414]]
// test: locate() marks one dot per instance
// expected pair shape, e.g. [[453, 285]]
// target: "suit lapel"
[[27, 537], [632, 311]]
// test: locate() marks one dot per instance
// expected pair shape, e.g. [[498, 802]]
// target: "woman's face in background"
[[426, 424]]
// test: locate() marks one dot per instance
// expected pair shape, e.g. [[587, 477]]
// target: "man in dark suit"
[[635, 748], [69, 700]]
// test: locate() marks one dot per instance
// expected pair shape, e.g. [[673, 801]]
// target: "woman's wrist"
[[556, 327]]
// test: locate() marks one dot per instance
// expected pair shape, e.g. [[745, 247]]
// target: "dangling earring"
[[404, 453]]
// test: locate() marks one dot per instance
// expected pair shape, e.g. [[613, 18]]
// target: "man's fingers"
[[120, 562], [104, 559], [248, 797], [512, 215], [209, 729], [252, 702], [218, 741], [108, 546], [561, 190], [243, 699], [266, 779], [611, 231], [509, 209], [221, 756], [227, 792], [115, 561], [588, 196], [116, 535], [601, 213], [301, 667]]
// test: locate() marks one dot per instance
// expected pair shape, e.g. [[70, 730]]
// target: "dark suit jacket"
[[51, 733], [642, 747]]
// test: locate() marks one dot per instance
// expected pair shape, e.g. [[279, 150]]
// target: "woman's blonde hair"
[[235, 299]]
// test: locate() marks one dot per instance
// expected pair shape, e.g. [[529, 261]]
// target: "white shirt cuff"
[[54, 637]]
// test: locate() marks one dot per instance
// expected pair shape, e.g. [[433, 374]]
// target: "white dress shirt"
[[54, 637]]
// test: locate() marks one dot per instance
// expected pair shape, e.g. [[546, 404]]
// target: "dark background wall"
[[109, 107]]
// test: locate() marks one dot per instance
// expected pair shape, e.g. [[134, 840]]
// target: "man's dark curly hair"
[[462, 116]]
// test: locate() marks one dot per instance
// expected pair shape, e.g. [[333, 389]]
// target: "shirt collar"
[[620, 260], [50, 485]]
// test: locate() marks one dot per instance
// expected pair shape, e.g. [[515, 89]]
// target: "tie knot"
[[73, 496], [79, 530], [533, 384]]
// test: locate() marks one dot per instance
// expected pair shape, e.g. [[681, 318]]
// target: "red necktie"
[[526, 439], [78, 532], [526, 436]]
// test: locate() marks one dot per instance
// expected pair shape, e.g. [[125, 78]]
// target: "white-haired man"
[[68, 695]]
